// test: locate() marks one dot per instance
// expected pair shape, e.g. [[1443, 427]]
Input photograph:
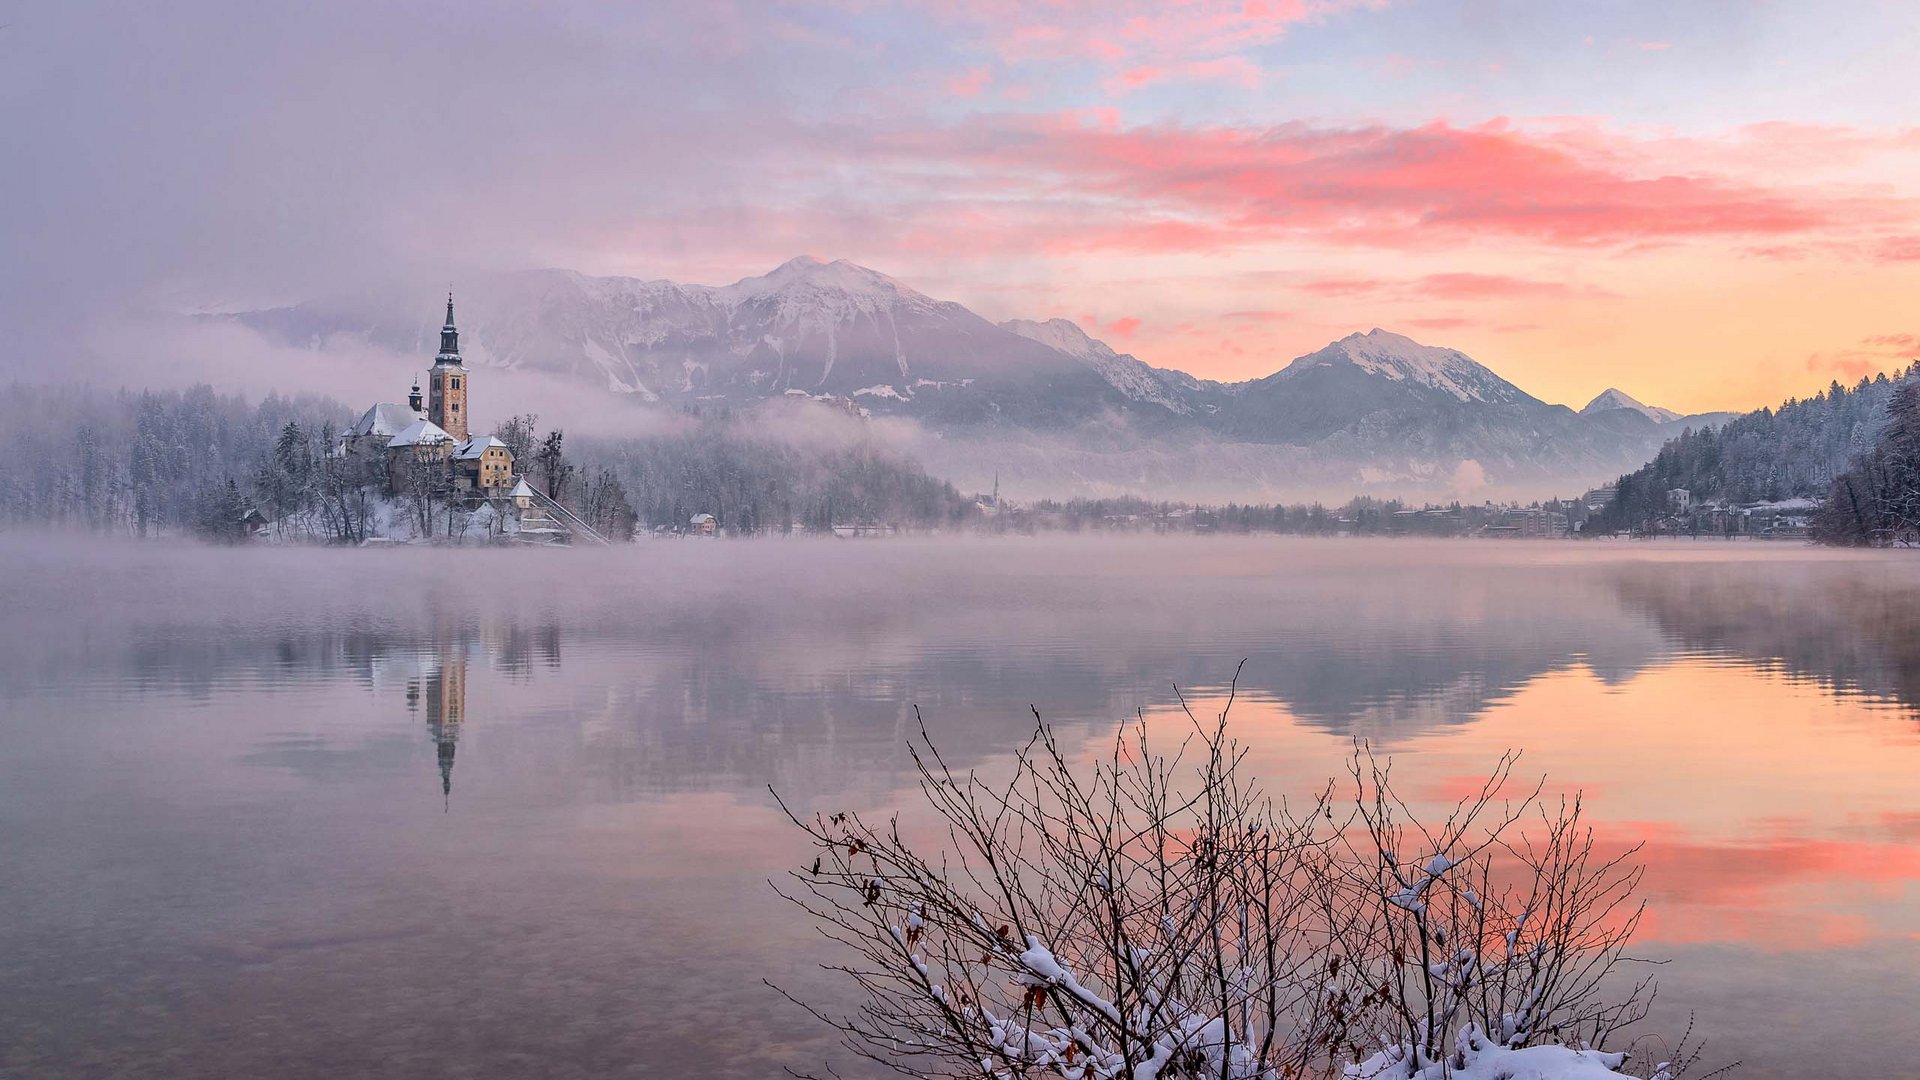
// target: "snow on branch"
[[1151, 913]]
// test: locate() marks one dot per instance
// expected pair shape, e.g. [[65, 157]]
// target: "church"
[[410, 442]]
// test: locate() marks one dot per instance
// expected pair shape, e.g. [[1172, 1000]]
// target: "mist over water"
[[468, 812]]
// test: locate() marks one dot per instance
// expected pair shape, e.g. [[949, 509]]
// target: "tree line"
[[1877, 499], [752, 484], [1795, 451], [141, 464], [198, 462]]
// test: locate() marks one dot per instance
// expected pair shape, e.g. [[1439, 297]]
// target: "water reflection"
[[1850, 627], [446, 696], [218, 771]]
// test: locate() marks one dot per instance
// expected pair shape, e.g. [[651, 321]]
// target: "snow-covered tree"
[[1152, 913]]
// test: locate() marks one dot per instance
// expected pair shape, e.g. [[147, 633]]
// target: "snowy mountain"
[[1403, 360], [1176, 391], [1064, 410], [1612, 398]]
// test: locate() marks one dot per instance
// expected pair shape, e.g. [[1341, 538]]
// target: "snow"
[[385, 420], [880, 391], [1130, 375], [421, 433], [1402, 359], [1612, 398], [1493, 1062], [807, 273], [476, 446]]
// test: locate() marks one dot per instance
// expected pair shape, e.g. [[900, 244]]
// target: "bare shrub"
[[1153, 913]]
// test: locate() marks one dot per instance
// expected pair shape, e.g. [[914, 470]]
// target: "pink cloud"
[[1202, 188], [1234, 69], [1122, 327], [969, 84], [1342, 286], [1450, 286], [1899, 249], [1654, 46], [1116, 30]]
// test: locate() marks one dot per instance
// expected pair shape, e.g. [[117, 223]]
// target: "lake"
[[463, 813]]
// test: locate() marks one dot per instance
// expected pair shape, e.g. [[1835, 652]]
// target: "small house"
[[483, 463]]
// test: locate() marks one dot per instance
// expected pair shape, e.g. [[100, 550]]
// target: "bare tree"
[[1152, 913]]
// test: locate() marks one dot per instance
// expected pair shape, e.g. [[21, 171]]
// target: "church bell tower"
[[447, 382]]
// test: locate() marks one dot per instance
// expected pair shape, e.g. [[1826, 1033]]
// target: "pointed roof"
[[449, 337], [521, 490], [421, 433]]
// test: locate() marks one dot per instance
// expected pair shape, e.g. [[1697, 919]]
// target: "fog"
[[227, 154]]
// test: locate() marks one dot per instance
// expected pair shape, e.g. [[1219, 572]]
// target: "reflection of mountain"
[[733, 666], [1852, 626], [728, 667]]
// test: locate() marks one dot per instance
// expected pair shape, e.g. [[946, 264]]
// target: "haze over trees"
[[754, 484], [140, 464], [196, 462], [1794, 451]]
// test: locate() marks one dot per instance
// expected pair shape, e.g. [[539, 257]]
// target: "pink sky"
[[1710, 206]]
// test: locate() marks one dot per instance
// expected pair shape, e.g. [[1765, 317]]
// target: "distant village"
[[1554, 519]]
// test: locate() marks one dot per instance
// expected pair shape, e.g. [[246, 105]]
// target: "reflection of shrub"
[[1152, 913]]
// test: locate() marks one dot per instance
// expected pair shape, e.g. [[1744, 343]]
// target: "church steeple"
[[447, 382], [449, 336]]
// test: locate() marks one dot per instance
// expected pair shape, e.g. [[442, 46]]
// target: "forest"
[[1795, 451], [1876, 501], [197, 462]]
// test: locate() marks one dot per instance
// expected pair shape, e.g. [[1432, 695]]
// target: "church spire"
[[450, 337]]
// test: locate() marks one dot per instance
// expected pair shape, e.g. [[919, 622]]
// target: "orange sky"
[[1712, 205]]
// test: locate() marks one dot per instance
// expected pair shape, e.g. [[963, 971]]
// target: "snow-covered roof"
[[479, 444], [521, 490], [421, 433], [700, 519], [385, 419]]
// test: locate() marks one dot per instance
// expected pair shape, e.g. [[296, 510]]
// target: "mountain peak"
[[1063, 335], [1613, 398], [806, 272], [1404, 360]]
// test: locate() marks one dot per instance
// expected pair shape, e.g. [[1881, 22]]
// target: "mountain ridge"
[[1370, 409]]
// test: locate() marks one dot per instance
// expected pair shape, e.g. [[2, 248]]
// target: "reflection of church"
[[446, 701]]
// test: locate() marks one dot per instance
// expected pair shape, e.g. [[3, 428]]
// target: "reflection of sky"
[[233, 806]]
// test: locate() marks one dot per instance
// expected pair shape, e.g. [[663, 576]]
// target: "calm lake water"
[[485, 814]]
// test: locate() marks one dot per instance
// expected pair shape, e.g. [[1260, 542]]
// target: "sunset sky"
[[1708, 204]]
